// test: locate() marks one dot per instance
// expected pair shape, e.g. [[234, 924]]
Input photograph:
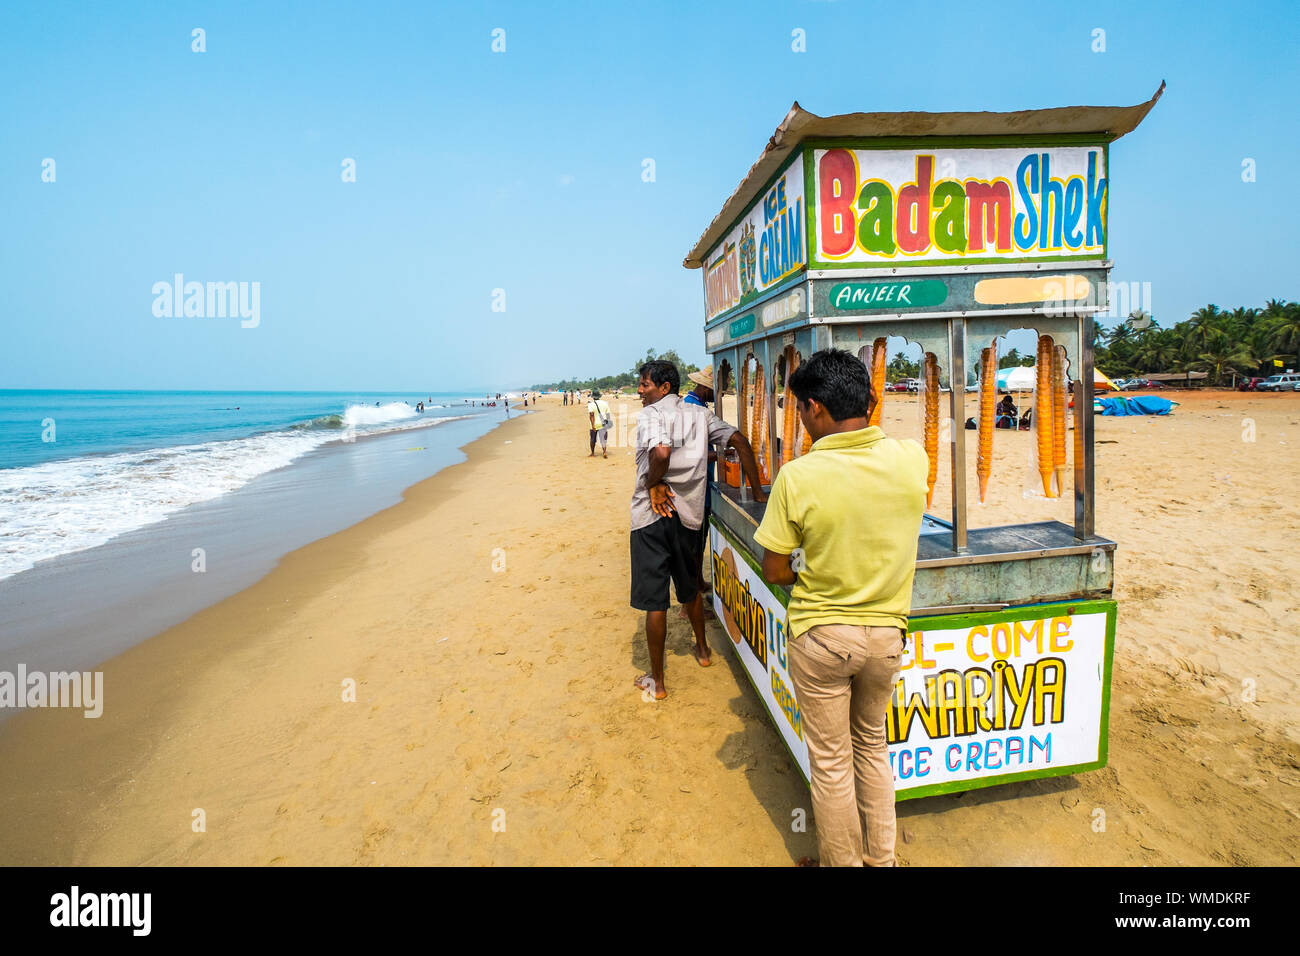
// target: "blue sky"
[[522, 170]]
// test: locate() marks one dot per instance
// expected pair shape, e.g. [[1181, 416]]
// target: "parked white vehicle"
[[1279, 383]]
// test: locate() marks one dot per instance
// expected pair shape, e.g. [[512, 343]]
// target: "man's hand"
[[748, 464], [661, 500], [777, 568]]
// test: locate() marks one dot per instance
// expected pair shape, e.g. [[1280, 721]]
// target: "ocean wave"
[[69, 505], [359, 415]]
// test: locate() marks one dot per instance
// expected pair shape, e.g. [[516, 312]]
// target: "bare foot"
[[647, 681]]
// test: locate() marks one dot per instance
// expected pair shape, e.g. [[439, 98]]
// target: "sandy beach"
[[485, 623]]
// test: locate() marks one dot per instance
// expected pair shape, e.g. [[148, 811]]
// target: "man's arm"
[[659, 456], [777, 568], [748, 463], [660, 494]]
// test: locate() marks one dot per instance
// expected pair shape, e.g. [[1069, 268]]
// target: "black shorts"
[[662, 551]]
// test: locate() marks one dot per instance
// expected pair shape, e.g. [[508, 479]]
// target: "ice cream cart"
[[948, 230]]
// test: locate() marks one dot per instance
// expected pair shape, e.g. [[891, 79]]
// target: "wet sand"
[[484, 621]]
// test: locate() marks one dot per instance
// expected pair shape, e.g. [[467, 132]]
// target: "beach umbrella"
[[1020, 378]]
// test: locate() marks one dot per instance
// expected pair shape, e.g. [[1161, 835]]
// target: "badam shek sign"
[[884, 207], [981, 699], [768, 244]]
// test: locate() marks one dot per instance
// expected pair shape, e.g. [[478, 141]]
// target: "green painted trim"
[[1103, 745], [928, 293], [1105, 246], [778, 591], [956, 264], [755, 304], [741, 327], [957, 621], [749, 207], [956, 142], [760, 334], [979, 783], [810, 234], [762, 703], [735, 647], [972, 618], [973, 142]]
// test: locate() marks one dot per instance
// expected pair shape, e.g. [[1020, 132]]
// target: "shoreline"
[[144, 684], [144, 580], [488, 697]]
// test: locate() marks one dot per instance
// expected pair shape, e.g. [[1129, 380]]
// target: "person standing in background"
[[599, 415]]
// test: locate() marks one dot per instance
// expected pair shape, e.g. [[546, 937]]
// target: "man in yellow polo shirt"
[[841, 526]]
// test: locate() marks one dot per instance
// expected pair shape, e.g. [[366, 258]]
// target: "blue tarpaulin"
[[1139, 405]]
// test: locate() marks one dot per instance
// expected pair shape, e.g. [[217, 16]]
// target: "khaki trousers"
[[844, 677]]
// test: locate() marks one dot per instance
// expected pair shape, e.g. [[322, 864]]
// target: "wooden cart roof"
[[1111, 122]]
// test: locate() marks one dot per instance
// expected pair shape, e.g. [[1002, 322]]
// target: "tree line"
[[622, 379], [900, 366], [1247, 341]]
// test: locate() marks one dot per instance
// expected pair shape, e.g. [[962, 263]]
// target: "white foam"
[[63, 506], [358, 415]]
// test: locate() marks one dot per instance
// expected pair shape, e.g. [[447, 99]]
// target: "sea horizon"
[[148, 536], [79, 467]]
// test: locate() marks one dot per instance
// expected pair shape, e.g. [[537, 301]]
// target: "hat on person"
[[703, 377]]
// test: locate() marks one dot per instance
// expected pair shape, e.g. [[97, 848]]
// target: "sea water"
[[80, 468], [123, 513]]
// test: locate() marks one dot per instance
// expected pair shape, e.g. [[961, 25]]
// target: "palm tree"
[[1098, 336], [1221, 354], [1122, 332], [1158, 351], [1284, 330], [1013, 358], [1239, 322], [1121, 354], [1202, 322]]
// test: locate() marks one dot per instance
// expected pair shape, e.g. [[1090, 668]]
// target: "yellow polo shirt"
[[854, 504]]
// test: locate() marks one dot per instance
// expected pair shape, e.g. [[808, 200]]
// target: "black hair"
[[659, 372], [837, 379]]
